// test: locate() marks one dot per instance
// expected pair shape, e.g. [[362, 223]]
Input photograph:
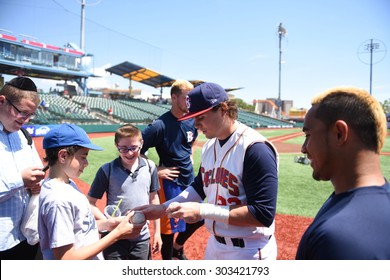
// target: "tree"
[[386, 106], [242, 105]]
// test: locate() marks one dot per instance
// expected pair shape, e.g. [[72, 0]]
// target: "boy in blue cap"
[[66, 225]]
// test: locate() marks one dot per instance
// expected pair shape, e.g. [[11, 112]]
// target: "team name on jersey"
[[223, 177]]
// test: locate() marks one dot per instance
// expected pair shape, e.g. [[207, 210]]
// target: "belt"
[[237, 242]]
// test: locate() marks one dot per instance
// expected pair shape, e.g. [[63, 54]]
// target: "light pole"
[[372, 46], [82, 38], [281, 33], [82, 25]]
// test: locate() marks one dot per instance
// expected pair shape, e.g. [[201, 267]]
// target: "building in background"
[[268, 107]]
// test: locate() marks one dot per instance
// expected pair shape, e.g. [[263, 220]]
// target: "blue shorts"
[[168, 190]]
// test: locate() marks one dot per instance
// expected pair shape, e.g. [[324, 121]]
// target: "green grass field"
[[298, 193]]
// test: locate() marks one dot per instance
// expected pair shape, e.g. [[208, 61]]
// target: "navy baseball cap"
[[65, 135], [203, 98], [23, 83]]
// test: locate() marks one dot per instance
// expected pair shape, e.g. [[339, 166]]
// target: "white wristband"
[[214, 212]]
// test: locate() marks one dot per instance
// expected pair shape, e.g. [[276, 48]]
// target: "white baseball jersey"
[[222, 169]]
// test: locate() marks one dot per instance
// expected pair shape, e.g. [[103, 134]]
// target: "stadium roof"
[[149, 77], [36, 71], [141, 74]]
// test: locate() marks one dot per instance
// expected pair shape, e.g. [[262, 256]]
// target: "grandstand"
[[61, 109], [21, 56], [94, 110], [261, 121], [121, 112], [146, 107]]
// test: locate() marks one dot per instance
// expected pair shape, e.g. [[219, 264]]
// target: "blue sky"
[[233, 43]]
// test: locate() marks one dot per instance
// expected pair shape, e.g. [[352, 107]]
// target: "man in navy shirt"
[[173, 140], [345, 132]]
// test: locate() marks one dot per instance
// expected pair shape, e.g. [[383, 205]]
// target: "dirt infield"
[[289, 229]]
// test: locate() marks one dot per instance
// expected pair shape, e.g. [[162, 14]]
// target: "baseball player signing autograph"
[[237, 180]]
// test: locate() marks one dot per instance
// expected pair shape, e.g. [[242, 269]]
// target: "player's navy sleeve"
[[197, 184], [152, 135], [260, 180]]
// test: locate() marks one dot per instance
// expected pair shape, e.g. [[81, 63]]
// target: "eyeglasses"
[[132, 149], [20, 113]]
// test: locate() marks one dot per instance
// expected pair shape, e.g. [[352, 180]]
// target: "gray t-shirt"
[[134, 189], [65, 218]]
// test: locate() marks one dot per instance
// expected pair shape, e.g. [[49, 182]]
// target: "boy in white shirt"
[[67, 227]]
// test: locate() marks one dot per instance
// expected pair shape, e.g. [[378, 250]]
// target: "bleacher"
[[121, 111], [61, 109], [167, 107], [45, 117], [91, 110], [150, 108], [256, 121]]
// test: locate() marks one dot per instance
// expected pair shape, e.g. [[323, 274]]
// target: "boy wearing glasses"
[[20, 166], [130, 181]]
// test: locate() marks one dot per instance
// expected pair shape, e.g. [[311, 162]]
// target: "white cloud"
[[103, 79]]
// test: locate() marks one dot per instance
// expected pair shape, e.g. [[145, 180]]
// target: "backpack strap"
[[27, 135], [150, 168]]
